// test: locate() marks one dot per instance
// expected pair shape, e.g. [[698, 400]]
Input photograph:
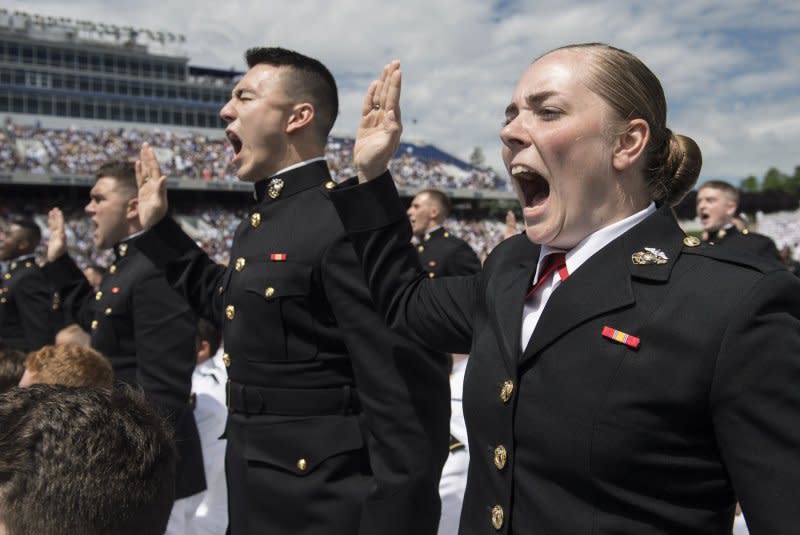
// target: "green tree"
[[749, 184], [774, 180], [793, 181], [477, 159]]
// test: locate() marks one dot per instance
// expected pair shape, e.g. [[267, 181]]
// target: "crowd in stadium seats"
[[79, 150]]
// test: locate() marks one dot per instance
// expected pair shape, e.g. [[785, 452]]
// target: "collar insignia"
[[650, 255], [274, 188]]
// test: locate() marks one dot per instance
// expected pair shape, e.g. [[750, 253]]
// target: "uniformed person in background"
[[144, 328], [336, 424], [441, 253], [717, 204], [29, 306], [444, 255], [211, 413]]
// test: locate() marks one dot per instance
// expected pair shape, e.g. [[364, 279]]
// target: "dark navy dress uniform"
[[148, 333], [653, 391], [29, 306], [746, 241], [336, 424], [444, 255]]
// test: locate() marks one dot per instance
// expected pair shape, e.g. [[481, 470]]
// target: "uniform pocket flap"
[[300, 446], [279, 279]]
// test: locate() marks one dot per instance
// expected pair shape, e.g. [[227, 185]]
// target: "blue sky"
[[730, 69]]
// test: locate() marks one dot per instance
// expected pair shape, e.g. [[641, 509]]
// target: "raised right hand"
[[152, 188], [57, 245], [379, 129]]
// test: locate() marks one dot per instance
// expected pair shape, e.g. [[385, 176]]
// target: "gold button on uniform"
[[98, 296], [431, 275], [7, 276], [255, 220], [498, 516], [112, 269], [330, 184], [95, 323], [108, 311], [302, 465], [500, 457], [240, 263], [691, 241], [506, 391], [3, 300], [420, 248], [28, 264], [226, 360], [269, 292], [230, 312]]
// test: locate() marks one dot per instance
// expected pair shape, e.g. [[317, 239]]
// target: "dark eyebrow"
[[532, 101], [237, 93], [536, 99]]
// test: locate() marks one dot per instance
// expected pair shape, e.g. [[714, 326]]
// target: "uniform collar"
[[20, 261], [595, 241], [726, 231], [125, 246], [437, 232], [293, 179]]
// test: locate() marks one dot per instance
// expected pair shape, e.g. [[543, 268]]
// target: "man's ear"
[[730, 207], [630, 144], [301, 116]]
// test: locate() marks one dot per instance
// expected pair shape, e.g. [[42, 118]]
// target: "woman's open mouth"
[[534, 188]]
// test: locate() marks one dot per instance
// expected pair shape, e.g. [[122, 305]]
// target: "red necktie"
[[552, 263]]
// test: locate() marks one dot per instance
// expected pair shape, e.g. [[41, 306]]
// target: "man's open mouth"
[[236, 143]]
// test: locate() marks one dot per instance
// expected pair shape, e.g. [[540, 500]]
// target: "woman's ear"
[[630, 144]]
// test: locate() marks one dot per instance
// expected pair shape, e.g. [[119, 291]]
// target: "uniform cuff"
[[165, 242], [62, 271], [368, 206]]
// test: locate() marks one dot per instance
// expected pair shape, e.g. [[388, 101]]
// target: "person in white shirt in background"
[[454, 473], [210, 412]]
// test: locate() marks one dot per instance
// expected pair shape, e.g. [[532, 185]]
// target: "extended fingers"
[[369, 98], [392, 91]]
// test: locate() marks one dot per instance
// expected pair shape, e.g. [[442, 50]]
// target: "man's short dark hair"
[[83, 461], [12, 366], [206, 331], [309, 81], [440, 198], [123, 173], [30, 230]]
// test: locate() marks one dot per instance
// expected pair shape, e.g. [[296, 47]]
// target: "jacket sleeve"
[[463, 261], [404, 393], [436, 312], [77, 295], [164, 332], [35, 306], [188, 269], [755, 402]]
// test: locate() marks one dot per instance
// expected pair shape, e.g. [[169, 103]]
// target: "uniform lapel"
[[512, 284], [605, 282]]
